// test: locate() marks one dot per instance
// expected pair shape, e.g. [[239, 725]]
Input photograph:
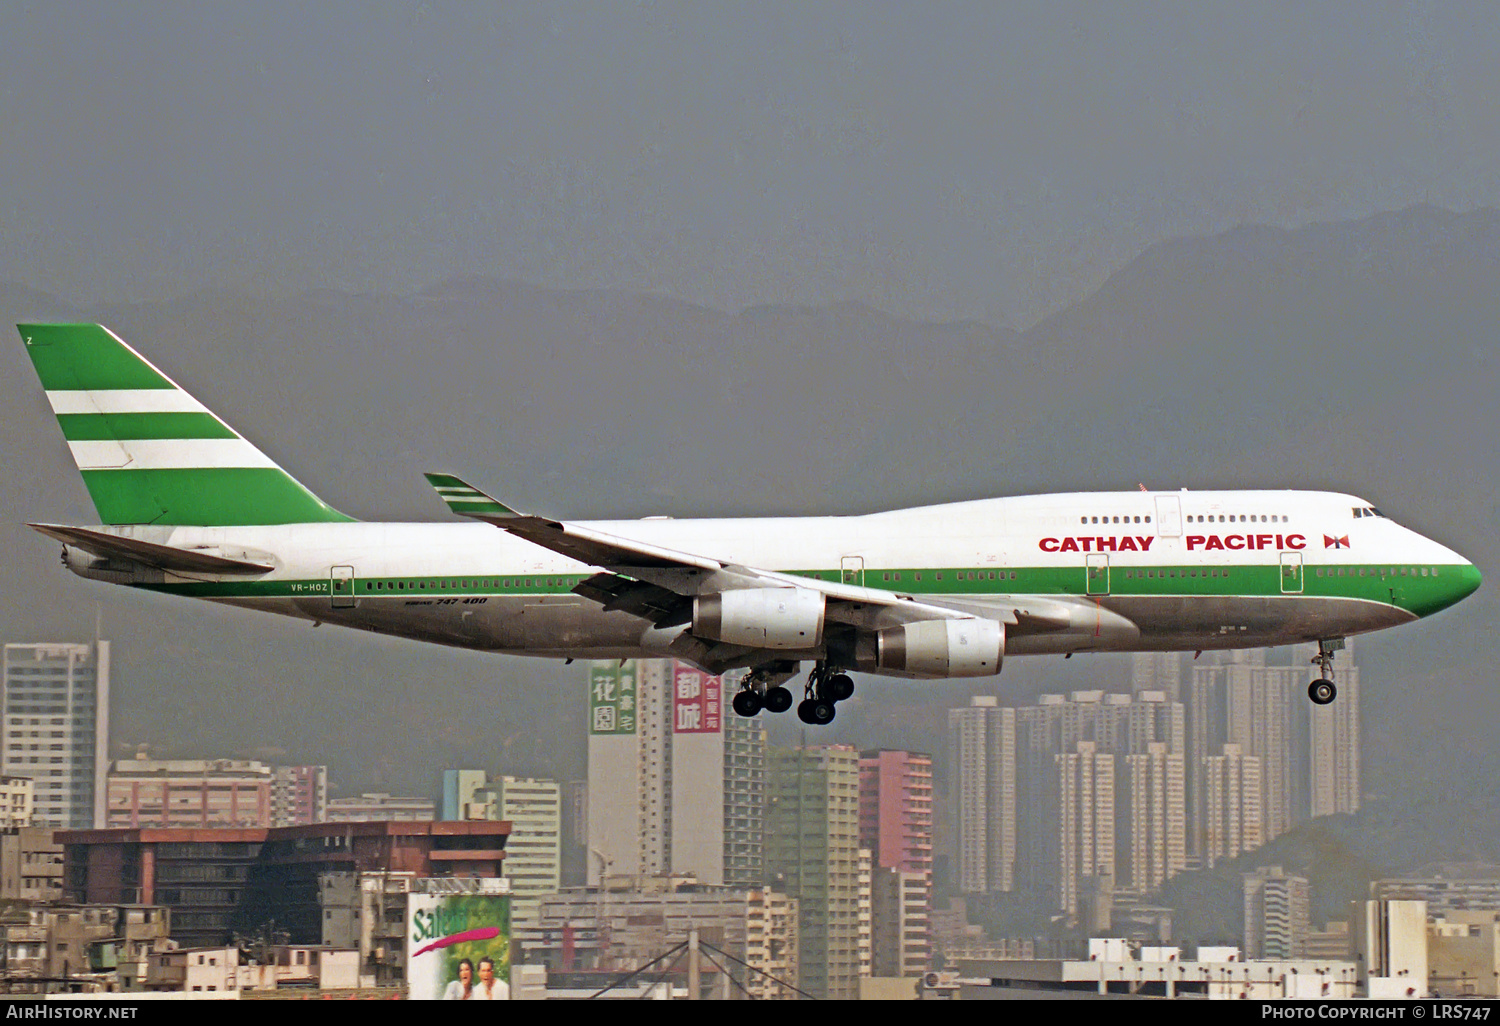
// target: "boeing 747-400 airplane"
[[190, 507]]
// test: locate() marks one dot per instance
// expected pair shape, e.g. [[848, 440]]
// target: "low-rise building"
[[1446, 887], [1463, 955], [188, 793], [367, 911], [111, 944], [221, 882], [380, 808], [629, 922], [1113, 970], [31, 865], [227, 968], [17, 802]]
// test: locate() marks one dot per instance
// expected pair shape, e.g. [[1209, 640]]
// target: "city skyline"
[[1099, 815], [1141, 726]]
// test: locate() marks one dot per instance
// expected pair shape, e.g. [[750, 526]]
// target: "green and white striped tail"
[[466, 500], [149, 452]]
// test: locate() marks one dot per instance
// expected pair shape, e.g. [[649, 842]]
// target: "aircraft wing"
[[658, 583], [151, 554]]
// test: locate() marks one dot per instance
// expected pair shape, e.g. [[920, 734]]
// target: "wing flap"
[[664, 608]]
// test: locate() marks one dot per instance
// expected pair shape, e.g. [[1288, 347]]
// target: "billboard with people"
[[458, 947]]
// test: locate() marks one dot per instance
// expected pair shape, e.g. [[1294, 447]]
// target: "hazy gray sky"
[[948, 161]]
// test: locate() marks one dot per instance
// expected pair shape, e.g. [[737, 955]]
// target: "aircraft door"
[[1169, 516], [1096, 572], [341, 586], [853, 570], [1291, 573]]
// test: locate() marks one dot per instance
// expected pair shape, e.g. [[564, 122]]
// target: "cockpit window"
[[1366, 511]]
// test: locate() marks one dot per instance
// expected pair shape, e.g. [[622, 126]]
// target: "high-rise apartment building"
[[982, 773], [1082, 839], [1259, 708], [895, 824], [299, 795], [1308, 754], [56, 729], [663, 752], [1081, 813], [1157, 671], [533, 855], [1232, 819], [813, 855], [1152, 846], [1333, 730], [900, 942], [575, 833], [1276, 911], [895, 809]]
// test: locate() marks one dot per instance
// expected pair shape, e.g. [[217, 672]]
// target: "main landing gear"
[[1323, 691], [749, 701], [825, 688], [763, 689]]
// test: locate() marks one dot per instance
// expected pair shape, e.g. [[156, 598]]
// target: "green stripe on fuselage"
[[1419, 595]]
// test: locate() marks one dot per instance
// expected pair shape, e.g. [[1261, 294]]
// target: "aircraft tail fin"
[[148, 451]]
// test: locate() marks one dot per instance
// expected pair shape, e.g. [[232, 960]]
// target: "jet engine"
[[942, 648], [778, 618], [97, 568]]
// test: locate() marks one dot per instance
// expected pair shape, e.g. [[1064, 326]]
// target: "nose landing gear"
[[1323, 691]]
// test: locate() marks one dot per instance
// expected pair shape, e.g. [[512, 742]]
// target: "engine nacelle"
[[942, 648], [96, 568], [782, 618]]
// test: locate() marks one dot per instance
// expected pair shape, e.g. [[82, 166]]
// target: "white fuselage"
[[1131, 570]]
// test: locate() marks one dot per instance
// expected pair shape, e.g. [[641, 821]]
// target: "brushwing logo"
[[1335, 543]]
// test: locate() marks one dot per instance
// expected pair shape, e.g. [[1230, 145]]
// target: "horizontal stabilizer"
[[163, 557]]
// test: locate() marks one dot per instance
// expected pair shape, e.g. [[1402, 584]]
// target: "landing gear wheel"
[[778, 700], [816, 712], [747, 702], [1322, 691], [839, 687], [822, 712]]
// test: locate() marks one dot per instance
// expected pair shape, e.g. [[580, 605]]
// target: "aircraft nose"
[[1469, 579], [1458, 582]]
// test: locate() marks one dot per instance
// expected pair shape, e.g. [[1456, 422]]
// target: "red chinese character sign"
[[697, 702]]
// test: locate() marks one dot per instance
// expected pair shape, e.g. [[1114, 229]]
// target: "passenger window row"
[[1253, 518]]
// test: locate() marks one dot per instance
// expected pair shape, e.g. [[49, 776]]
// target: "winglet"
[[466, 500]]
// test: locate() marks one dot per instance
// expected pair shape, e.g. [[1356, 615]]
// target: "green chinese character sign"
[[612, 698]]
